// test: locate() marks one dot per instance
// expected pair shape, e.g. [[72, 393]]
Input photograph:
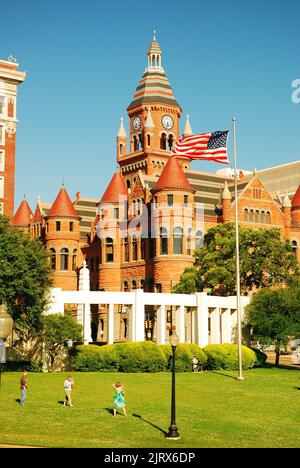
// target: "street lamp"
[[6, 325], [173, 430]]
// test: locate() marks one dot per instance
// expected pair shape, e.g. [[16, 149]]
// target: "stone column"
[[84, 310], [132, 323], [201, 320], [179, 321], [226, 326], [110, 324], [161, 325], [215, 337], [139, 315]]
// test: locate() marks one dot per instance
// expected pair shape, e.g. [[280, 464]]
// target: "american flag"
[[206, 146]]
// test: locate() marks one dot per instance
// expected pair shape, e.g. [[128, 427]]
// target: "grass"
[[213, 410]]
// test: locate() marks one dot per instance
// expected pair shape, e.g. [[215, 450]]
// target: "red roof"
[[296, 199], [116, 188], [62, 205], [172, 177], [23, 214]]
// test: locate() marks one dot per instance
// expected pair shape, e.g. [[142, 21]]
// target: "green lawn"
[[213, 410]]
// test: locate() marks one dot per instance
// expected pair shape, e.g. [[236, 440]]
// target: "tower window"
[[53, 259], [148, 140], [71, 225], [116, 213], [64, 259], [134, 248], [74, 260], [109, 250], [58, 225], [163, 241], [186, 200], [170, 200], [143, 248], [171, 142], [177, 240], [126, 250], [163, 141], [121, 149], [135, 143]]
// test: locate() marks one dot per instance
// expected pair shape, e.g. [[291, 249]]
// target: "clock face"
[[136, 123], [167, 122]]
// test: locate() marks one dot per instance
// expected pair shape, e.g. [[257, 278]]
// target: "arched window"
[[53, 259], [246, 214], [257, 216], [64, 259], [163, 241], [135, 143], [109, 250], [268, 217], [177, 240], [121, 149], [262, 217], [125, 286], [126, 250], [74, 260], [189, 242], [199, 239], [163, 141], [148, 140], [134, 248], [128, 183], [143, 248], [171, 142], [140, 142], [133, 285], [251, 216], [142, 284]]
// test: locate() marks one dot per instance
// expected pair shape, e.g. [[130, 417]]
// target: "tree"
[[274, 316], [265, 260], [56, 330], [25, 277]]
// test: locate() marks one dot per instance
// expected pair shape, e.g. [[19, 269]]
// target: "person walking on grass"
[[68, 385], [119, 400], [23, 388]]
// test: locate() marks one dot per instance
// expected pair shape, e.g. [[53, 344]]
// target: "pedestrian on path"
[[68, 385], [119, 400], [23, 388]]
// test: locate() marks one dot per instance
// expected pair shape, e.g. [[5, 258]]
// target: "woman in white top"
[[68, 385]]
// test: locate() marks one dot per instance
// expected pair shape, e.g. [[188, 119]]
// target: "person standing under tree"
[[68, 385], [119, 400], [23, 388]]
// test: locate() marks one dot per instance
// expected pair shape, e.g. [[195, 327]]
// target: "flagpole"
[[238, 280]]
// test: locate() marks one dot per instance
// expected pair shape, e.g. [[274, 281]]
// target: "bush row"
[[149, 357]]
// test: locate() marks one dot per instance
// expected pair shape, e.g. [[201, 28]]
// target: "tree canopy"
[[274, 316], [25, 276], [265, 260]]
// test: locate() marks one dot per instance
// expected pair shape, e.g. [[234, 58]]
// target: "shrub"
[[260, 357], [225, 356], [184, 355], [23, 366]]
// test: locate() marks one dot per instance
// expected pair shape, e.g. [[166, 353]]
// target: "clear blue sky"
[[84, 59]]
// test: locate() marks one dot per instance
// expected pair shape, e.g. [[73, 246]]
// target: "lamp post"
[[6, 325], [173, 430]]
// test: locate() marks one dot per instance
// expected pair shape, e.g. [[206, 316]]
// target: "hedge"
[[135, 357], [225, 356]]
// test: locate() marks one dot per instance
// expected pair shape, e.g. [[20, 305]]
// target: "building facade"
[[143, 231]]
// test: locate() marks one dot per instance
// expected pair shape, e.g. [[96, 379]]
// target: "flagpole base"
[[240, 377]]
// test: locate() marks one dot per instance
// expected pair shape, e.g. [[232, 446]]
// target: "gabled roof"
[[173, 177], [23, 214], [116, 189], [62, 205]]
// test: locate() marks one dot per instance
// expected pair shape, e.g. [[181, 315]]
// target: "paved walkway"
[[286, 360]]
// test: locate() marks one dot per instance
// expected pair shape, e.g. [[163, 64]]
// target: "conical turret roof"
[[116, 189], [62, 205], [23, 214], [296, 199], [172, 177]]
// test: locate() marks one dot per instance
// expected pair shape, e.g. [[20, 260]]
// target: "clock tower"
[[154, 119]]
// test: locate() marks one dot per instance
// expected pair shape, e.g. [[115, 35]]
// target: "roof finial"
[[154, 33]]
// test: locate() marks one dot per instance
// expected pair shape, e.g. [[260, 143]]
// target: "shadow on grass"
[[223, 375], [150, 423], [296, 388], [17, 400], [109, 410], [60, 402]]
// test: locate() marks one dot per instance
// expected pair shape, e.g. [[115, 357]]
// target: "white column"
[[179, 320], [226, 326], [201, 322], [139, 315], [87, 329], [161, 325], [132, 323], [56, 305], [110, 324], [193, 325], [215, 337]]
